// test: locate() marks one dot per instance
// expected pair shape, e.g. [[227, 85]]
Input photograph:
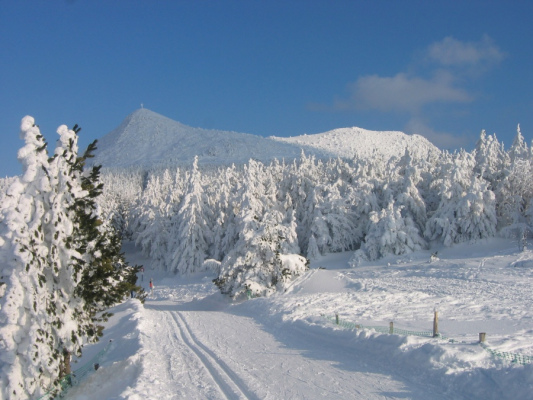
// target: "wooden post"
[[391, 327], [337, 318], [482, 336], [64, 368], [436, 324]]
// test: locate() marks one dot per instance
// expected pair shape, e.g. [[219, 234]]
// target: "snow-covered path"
[[190, 342], [199, 354]]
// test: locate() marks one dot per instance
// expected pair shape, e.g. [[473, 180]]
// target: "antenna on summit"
[[142, 105]]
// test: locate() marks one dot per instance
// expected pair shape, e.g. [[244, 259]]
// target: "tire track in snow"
[[229, 383], [300, 280]]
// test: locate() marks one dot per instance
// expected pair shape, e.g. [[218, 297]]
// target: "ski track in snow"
[[229, 385], [190, 342], [244, 359]]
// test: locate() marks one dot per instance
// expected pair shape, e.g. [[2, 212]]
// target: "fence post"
[[337, 318], [391, 327], [482, 337], [436, 324]]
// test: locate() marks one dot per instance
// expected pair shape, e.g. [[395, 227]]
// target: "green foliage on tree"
[[61, 264], [106, 277]]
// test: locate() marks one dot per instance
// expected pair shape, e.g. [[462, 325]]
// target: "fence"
[[75, 377], [512, 357]]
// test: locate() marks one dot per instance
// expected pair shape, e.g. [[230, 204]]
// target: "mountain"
[[148, 139], [361, 143]]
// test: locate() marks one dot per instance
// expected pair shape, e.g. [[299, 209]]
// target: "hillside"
[[148, 139], [361, 143]]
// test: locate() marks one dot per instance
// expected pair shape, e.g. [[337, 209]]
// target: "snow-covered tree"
[[391, 234], [519, 149], [313, 222], [408, 195], [257, 264], [224, 202], [514, 199], [313, 252], [106, 278], [29, 347], [47, 260], [192, 230], [340, 220], [467, 207], [491, 159]]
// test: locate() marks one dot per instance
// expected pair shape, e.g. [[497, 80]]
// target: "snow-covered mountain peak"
[[148, 139]]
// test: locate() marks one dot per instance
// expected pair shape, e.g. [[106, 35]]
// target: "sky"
[[441, 69]]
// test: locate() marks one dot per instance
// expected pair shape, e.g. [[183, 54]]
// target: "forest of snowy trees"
[[257, 224]]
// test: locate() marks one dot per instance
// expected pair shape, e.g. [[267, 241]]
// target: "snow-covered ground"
[[190, 342]]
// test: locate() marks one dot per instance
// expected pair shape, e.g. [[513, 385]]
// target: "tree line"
[[257, 225]]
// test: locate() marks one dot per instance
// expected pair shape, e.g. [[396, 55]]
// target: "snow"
[[356, 142], [188, 341], [148, 139]]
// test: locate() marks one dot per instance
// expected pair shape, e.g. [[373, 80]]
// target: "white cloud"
[[443, 81], [402, 93], [452, 52]]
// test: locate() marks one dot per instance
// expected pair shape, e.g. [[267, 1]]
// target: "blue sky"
[[443, 69]]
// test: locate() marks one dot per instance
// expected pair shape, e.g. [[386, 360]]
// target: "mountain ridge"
[[148, 139]]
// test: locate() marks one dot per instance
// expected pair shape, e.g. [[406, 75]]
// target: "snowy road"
[[218, 355], [190, 342]]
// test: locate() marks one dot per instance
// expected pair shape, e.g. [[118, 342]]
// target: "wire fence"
[[77, 376], [512, 357], [515, 358]]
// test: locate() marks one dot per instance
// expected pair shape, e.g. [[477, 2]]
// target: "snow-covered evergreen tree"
[[391, 234], [47, 260], [408, 195], [340, 220], [313, 252], [491, 159], [29, 348], [192, 231], [467, 207], [106, 278], [514, 196], [146, 212], [518, 150], [225, 204], [256, 265]]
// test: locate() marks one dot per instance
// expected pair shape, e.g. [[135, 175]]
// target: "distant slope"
[[361, 143], [148, 139]]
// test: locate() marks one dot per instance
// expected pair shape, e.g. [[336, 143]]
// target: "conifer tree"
[[257, 264], [390, 233], [106, 279], [52, 244], [518, 150], [192, 234], [491, 160], [29, 354]]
